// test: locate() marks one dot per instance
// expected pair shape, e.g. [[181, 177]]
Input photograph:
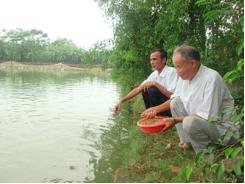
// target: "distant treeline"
[[35, 46]]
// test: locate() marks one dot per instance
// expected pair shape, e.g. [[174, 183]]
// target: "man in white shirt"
[[200, 95], [158, 87]]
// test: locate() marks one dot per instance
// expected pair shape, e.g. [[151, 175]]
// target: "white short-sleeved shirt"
[[205, 95], [168, 78]]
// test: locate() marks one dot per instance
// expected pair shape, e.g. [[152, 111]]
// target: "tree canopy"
[[215, 27]]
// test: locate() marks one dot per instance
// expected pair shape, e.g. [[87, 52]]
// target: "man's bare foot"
[[185, 145]]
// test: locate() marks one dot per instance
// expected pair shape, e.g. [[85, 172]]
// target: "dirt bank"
[[53, 67]]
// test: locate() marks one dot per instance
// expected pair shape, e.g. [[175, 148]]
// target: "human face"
[[185, 69], [156, 62]]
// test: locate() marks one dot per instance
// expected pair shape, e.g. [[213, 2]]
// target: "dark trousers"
[[153, 97]]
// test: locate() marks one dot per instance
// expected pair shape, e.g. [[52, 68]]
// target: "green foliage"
[[220, 166], [235, 77], [214, 27], [99, 54], [224, 25], [238, 167], [184, 175], [236, 74], [63, 51], [21, 45], [232, 152], [226, 163], [219, 172], [238, 116]]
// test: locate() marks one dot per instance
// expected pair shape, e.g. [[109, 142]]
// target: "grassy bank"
[[157, 158], [151, 157]]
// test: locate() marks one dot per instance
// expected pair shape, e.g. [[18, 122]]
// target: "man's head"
[[158, 59], [186, 60]]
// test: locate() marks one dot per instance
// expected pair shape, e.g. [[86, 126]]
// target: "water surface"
[[51, 125]]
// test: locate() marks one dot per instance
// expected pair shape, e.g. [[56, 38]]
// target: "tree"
[[139, 26], [20, 45], [63, 51]]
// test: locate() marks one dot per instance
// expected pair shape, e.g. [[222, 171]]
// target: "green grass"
[[148, 160], [144, 157]]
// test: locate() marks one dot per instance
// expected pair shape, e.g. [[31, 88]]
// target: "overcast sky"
[[79, 20]]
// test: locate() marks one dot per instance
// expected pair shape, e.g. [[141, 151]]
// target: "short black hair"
[[163, 53]]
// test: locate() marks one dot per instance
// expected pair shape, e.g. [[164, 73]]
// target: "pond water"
[[51, 126]]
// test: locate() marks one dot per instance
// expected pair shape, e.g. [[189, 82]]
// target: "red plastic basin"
[[158, 127]]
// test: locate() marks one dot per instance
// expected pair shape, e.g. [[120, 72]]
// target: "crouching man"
[[200, 94], [158, 87]]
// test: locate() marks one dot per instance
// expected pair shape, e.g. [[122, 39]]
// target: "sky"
[[81, 21]]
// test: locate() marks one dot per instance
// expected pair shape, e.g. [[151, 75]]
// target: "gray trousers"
[[197, 131]]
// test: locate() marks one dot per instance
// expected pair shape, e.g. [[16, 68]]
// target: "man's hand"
[[117, 107], [149, 113], [146, 85], [170, 122]]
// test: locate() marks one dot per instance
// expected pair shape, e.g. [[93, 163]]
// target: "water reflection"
[[51, 125], [114, 146]]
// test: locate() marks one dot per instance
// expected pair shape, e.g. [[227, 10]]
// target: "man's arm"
[[161, 88], [153, 111], [129, 96]]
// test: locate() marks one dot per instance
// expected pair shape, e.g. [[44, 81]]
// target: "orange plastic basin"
[[158, 127]]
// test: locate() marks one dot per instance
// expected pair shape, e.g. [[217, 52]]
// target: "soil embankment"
[[51, 67]]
